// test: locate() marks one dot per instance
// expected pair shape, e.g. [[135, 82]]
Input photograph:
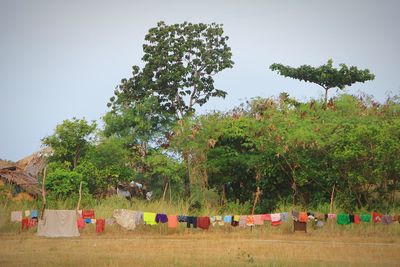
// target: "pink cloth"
[[258, 220], [266, 217], [331, 216]]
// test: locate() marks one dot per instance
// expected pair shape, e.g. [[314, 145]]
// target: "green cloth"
[[365, 217], [343, 219], [149, 218]]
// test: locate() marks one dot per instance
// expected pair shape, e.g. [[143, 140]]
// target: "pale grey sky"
[[60, 59]]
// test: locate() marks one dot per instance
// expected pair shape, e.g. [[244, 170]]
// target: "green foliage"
[[71, 140], [326, 75], [63, 183]]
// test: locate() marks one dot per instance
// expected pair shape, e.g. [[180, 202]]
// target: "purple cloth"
[[161, 218]]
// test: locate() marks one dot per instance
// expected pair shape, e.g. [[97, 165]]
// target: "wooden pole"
[[332, 197], [43, 192], [80, 196], [165, 191]]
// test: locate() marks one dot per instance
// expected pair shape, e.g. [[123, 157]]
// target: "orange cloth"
[[303, 217], [250, 220], [172, 221]]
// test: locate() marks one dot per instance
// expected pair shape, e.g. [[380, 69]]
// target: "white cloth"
[[275, 217], [16, 216], [27, 213], [58, 223], [125, 218]]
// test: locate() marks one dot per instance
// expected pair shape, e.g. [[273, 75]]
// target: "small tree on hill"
[[326, 76]]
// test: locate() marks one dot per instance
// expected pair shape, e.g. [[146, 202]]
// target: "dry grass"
[[197, 249]]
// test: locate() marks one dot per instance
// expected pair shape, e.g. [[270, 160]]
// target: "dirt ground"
[[202, 249]]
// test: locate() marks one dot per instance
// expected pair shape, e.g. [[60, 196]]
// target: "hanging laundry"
[[203, 222], [356, 218], [34, 214], [319, 216], [331, 216], [88, 220], [343, 219], [138, 217], [320, 224], [303, 217], [387, 219], [25, 223], [32, 222], [110, 221], [284, 216], [365, 217], [80, 213], [161, 218], [100, 225], [351, 217], [172, 221], [235, 220], [149, 218], [266, 217], [295, 215], [93, 221], [275, 219], [16, 216], [250, 220], [376, 217], [125, 218], [27, 213], [213, 220], [191, 220], [242, 221], [88, 214], [227, 218], [219, 220], [182, 218], [258, 220], [80, 223]]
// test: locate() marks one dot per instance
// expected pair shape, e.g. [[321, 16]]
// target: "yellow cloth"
[[27, 213], [219, 220], [236, 218], [149, 218]]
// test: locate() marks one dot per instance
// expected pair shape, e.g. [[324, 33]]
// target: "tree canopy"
[[326, 75]]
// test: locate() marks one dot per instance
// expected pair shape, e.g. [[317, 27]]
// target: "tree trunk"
[[326, 98], [332, 197]]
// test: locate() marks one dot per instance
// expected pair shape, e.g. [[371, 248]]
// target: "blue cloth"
[[228, 219], [284, 216], [182, 218], [34, 213], [88, 220]]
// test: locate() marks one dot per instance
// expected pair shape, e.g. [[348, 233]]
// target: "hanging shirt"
[[34, 214], [149, 218], [266, 217], [387, 219], [295, 215], [161, 218], [191, 220], [275, 219], [284, 216], [331, 216], [356, 218], [172, 221], [343, 219], [213, 220], [88, 214], [100, 225], [203, 222], [228, 219], [27, 213], [250, 220], [81, 223], [303, 217], [219, 220], [16, 216], [242, 221], [376, 217], [235, 220], [182, 218], [365, 217], [138, 217], [258, 220]]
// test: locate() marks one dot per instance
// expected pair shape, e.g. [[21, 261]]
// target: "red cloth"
[[303, 217], [88, 214], [203, 222], [25, 223], [376, 217], [32, 222], [100, 223], [356, 218], [81, 223], [266, 217], [275, 223]]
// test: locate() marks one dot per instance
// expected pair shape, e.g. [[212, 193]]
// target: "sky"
[[63, 59]]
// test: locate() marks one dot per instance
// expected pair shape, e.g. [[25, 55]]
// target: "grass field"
[[198, 249], [365, 244]]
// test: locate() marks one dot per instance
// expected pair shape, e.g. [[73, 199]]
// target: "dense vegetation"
[[345, 152]]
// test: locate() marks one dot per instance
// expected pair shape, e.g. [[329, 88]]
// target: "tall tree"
[[70, 140], [326, 75], [180, 62]]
